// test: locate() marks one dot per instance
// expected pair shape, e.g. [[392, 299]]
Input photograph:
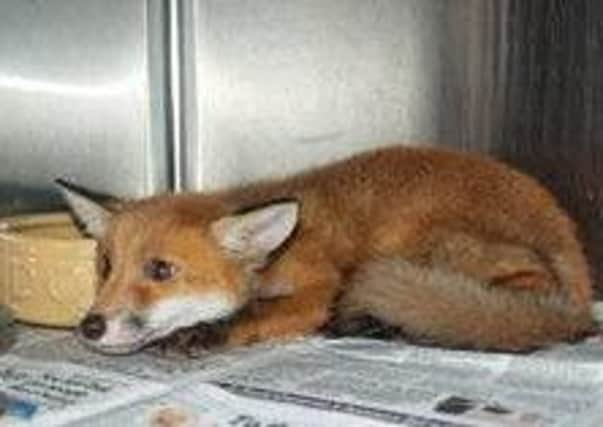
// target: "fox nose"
[[93, 326]]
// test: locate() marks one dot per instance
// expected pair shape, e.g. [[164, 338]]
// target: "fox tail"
[[451, 309]]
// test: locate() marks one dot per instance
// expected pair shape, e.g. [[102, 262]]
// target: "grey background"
[[76, 99], [136, 97], [280, 86], [272, 87]]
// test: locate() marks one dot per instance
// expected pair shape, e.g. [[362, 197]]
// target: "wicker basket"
[[47, 272]]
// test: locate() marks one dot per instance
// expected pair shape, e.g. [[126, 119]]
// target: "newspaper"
[[49, 379]]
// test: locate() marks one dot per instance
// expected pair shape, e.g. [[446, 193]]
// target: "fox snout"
[[117, 334], [126, 331], [95, 325]]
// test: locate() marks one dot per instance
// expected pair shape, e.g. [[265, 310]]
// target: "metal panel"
[[276, 86], [75, 82]]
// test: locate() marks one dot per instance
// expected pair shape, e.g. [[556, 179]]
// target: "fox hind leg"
[[496, 264], [466, 293]]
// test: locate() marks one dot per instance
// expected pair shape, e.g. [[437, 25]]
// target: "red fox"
[[453, 249]]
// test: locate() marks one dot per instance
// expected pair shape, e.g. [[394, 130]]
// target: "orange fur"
[[453, 248]]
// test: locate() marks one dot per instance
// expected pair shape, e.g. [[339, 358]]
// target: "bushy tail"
[[451, 309]]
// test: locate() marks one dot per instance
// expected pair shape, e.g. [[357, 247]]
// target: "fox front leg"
[[302, 312], [196, 340], [263, 320]]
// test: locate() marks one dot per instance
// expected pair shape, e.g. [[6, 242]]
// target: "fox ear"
[[92, 215], [253, 235]]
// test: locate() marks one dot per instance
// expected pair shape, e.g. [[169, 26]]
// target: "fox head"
[[171, 262]]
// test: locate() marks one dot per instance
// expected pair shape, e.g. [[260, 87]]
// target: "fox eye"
[[159, 270], [104, 266]]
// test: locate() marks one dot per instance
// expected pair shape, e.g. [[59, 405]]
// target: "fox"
[[450, 248]]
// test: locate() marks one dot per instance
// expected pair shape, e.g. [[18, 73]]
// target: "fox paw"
[[361, 326], [194, 341]]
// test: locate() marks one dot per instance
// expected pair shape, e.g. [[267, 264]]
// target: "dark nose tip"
[[93, 326]]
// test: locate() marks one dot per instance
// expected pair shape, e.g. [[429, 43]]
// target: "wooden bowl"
[[47, 269]]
